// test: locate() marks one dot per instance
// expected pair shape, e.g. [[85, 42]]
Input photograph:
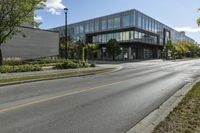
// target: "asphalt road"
[[104, 103]]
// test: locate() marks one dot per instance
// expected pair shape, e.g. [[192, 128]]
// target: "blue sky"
[[179, 14]]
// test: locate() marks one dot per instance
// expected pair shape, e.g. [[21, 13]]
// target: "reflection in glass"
[[126, 20], [91, 26], [87, 27], [104, 25], [117, 22]]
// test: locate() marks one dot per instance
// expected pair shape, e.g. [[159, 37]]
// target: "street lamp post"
[[66, 34]]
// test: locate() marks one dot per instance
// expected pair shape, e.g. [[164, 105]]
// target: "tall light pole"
[[66, 34]]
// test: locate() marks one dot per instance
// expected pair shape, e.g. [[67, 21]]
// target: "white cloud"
[[38, 18], [188, 29], [55, 7]]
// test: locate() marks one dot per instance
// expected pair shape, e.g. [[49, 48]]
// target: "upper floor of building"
[[123, 20]]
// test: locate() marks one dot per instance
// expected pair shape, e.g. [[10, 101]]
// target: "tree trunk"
[[1, 57], [113, 57]]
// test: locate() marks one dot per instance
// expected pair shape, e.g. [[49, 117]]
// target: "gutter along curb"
[[148, 124]]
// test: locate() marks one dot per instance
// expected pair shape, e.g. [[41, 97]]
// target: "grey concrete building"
[[140, 36], [36, 44]]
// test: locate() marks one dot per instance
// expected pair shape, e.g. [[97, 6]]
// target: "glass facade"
[[128, 19], [110, 23], [91, 27], [139, 23], [127, 36], [103, 24], [117, 22], [96, 28], [87, 27], [81, 29]]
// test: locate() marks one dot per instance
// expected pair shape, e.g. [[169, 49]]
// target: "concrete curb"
[[81, 73], [148, 124]]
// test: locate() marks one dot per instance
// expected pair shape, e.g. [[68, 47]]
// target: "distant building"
[[140, 36], [36, 44]]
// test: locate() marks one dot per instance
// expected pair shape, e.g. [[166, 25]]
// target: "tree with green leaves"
[[13, 14], [184, 49], [169, 48], [92, 50], [198, 20], [70, 44], [113, 48]]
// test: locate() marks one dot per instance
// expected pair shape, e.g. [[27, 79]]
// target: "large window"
[[104, 40], [156, 27], [77, 38], [121, 36], [100, 38], [133, 19], [167, 36], [109, 36], [139, 21], [96, 28], [131, 35], [136, 35], [76, 30], [117, 22], [87, 27], [91, 26], [110, 23], [146, 24], [94, 39], [126, 20], [117, 36], [140, 36], [126, 36], [150, 24], [153, 26], [81, 28], [103, 24], [143, 22]]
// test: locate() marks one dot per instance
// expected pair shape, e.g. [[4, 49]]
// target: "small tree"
[[92, 50], [71, 47], [78, 49], [14, 13], [113, 48], [169, 48], [184, 49]]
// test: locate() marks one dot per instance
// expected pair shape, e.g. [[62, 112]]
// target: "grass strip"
[[16, 80], [185, 118]]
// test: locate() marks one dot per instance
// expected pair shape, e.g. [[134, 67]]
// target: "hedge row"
[[70, 64], [19, 68]]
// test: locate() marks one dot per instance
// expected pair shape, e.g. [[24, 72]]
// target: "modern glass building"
[[140, 36]]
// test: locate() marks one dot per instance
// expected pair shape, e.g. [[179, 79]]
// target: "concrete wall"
[[36, 44]]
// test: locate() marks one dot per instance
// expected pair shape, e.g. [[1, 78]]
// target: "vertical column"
[[130, 57]]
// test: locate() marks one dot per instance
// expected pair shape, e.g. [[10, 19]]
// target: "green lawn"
[[185, 118], [53, 76]]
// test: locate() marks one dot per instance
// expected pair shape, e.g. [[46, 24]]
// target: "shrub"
[[93, 65], [49, 61], [85, 64], [67, 65], [19, 68], [13, 62]]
